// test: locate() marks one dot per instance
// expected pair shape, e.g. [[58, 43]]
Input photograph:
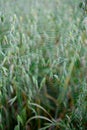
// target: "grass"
[[43, 58]]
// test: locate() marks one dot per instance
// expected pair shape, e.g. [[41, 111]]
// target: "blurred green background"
[[43, 54]]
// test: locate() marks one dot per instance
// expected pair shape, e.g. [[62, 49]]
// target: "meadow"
[[43, 65]]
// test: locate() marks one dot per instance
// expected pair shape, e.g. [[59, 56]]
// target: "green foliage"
[[43, 58]]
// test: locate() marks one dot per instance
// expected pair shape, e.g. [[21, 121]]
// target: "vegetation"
[[43, 63]]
